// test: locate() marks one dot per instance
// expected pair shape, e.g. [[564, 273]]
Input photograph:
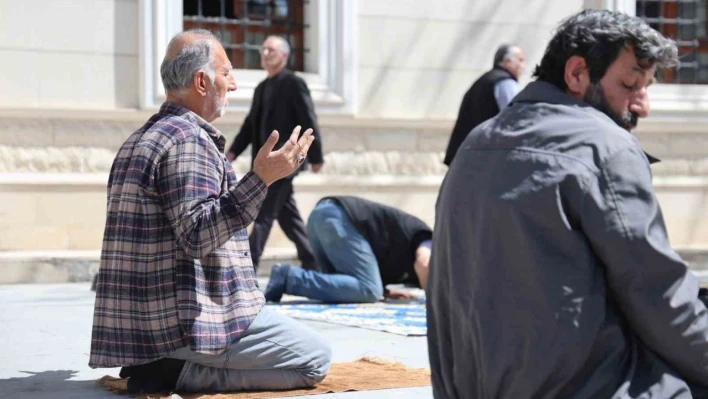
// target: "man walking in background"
[[279, 103], [488, 95]]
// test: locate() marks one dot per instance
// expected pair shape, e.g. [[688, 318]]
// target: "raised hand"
[[271, 165]]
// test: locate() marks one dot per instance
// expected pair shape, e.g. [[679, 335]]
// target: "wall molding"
[[321, 182], [56, 163]]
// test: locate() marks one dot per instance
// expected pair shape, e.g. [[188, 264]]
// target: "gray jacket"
[[551, 273]]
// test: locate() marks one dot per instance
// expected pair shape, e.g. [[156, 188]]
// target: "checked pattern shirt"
[[175, 267]]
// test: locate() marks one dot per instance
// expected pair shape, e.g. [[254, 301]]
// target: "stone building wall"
[[68, 101], [53, 174]]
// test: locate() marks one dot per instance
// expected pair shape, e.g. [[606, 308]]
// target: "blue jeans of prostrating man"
[[350, 272]]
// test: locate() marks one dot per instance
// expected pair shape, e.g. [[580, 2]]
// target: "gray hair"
[[598, 36], [503, 51], [177, 72], [284, 45]]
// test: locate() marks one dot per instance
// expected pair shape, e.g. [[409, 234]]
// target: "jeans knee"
[[369, 297], [371, 293], [319, 364]]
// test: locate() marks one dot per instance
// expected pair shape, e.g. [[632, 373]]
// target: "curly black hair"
[[598, 36]]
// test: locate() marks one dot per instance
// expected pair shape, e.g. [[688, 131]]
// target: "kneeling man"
[[177, 302]]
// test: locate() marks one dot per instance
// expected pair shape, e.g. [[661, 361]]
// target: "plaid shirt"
[[175, 266]]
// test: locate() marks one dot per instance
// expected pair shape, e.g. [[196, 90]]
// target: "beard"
[[219, 104], [221, 111], [595, 97]]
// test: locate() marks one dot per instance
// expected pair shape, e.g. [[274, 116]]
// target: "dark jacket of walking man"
[[551, 273], [488, 95], [279, 102]]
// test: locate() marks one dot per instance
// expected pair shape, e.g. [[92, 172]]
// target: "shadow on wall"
[[51, 384], [456, 49], [473, 40], [489, 39], [126, 59]]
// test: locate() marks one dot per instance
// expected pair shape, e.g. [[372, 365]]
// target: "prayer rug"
[[406, 318], [362, 375]]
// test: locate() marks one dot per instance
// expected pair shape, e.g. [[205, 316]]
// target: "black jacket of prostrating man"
[[279, 103]]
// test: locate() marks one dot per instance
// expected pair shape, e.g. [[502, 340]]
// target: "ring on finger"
[[300, 158]]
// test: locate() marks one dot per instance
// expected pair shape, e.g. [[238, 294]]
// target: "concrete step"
[[38, 267], [697, 258], [31, 267]]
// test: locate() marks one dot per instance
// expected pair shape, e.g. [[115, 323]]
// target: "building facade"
[[77, 77]]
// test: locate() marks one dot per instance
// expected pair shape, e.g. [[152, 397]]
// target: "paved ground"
[[45, 331]]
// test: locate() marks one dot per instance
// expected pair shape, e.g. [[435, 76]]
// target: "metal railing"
[[683, 21]]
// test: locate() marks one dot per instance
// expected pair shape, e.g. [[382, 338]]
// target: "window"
[[685, 22], [243, 25], [328, 28]]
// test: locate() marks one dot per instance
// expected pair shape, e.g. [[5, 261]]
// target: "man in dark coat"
[[551, 273], [280, 102], [488, 95]]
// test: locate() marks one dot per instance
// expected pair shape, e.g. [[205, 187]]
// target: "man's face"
[[272, 57], [516, 63], [223, 83], [623, 85]]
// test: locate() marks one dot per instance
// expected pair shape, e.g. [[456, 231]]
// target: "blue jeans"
[[275, 353], [350, 272]]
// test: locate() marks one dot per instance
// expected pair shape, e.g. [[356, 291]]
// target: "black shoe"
[[277, 283], [138, 386], [160, 375]]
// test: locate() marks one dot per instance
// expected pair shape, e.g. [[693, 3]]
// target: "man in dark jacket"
[[280, 102], [551, 273], [360, 246], [488, 95]]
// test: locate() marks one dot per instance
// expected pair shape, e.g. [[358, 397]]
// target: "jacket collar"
[[652, 159], [500, 69], [545, 92]]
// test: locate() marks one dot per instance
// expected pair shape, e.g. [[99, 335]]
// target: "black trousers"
[[280, 205]]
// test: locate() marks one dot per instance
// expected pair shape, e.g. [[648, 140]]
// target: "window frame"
[[699, 45], [331, 39], [681, 102], [237, 31]]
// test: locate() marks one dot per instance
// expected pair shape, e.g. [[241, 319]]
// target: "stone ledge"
[[19, 181], [136, 118], [80, 266], [392, 156], [91, 160], [698, 259], [49, 267]]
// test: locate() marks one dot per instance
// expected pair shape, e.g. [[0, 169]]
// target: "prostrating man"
[[551, 272], [488, 95], [279, 102], [361, 246], [177, 302]]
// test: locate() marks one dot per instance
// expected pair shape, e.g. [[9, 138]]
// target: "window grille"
[[685, 22], [243, 25]]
